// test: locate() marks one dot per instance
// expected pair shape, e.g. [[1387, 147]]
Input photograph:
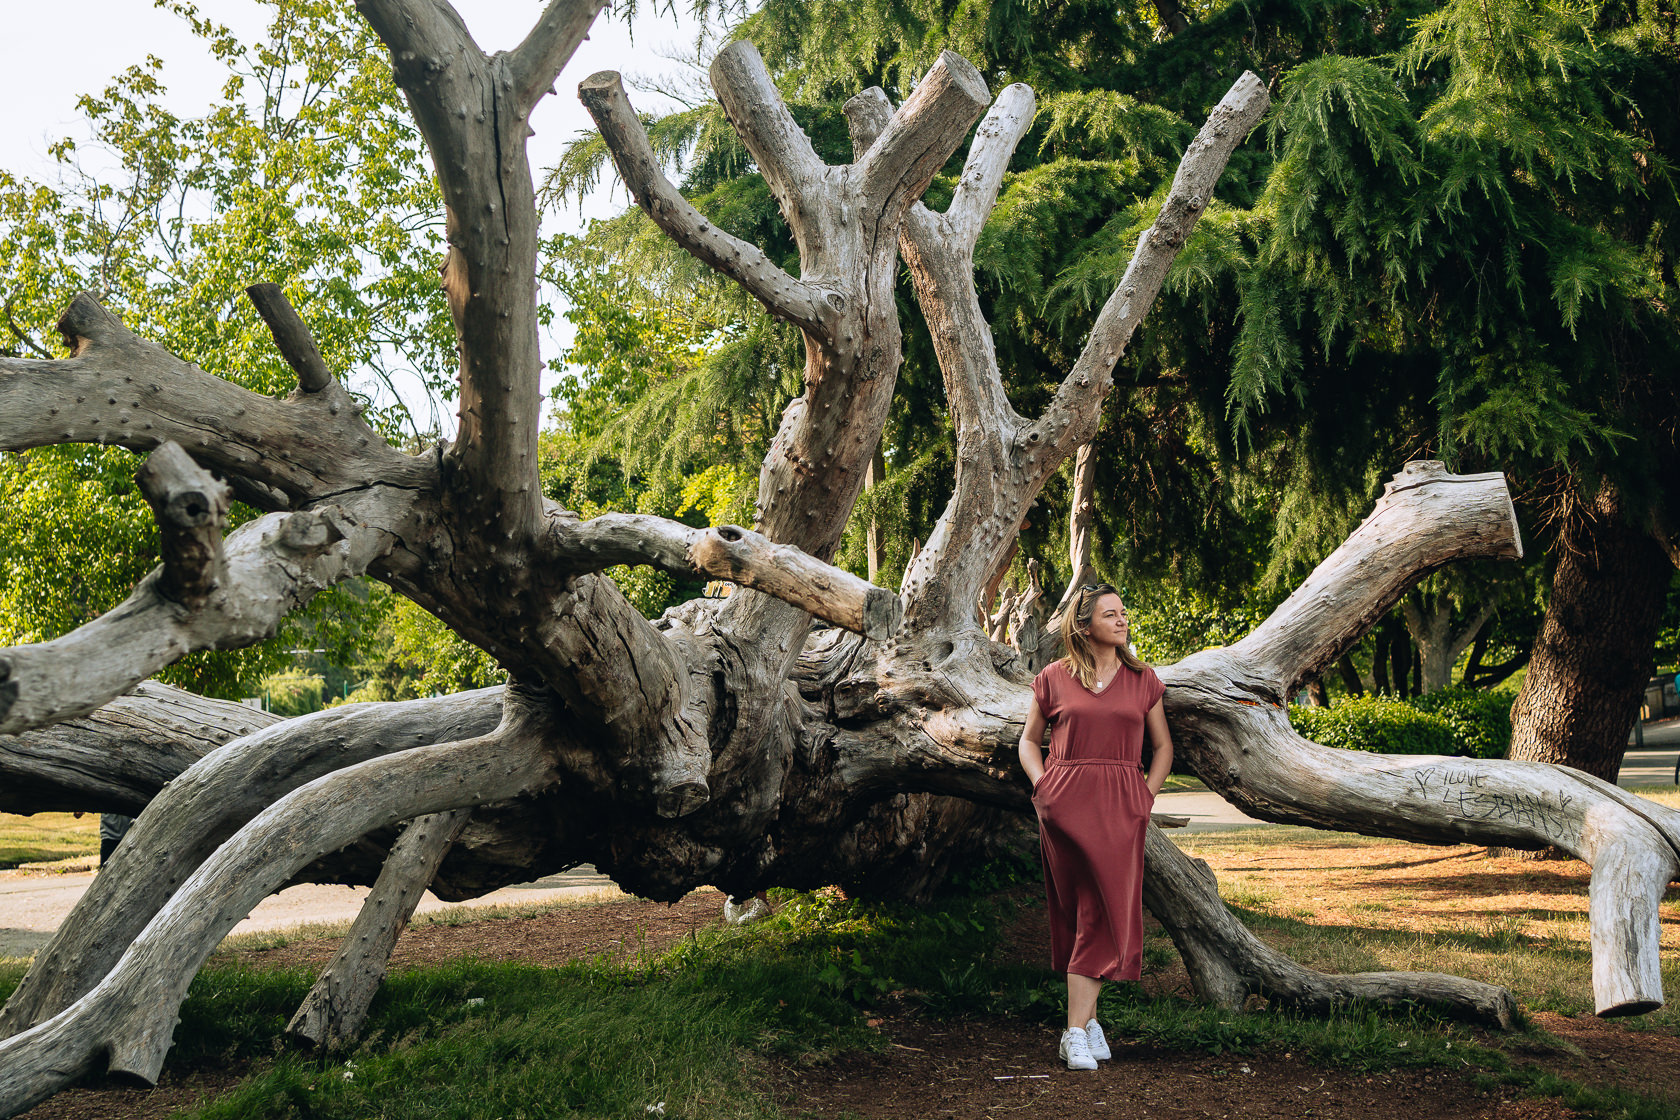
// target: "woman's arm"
[[1031, 749], [1160, 765]]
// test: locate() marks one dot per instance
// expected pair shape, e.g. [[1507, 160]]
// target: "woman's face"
[[1109, 625]]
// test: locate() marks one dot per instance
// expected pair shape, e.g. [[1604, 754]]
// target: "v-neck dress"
[[1093, 808]]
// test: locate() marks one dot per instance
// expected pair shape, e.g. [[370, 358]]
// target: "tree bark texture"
[[335, 1008], [736, 742], [1595, 649]]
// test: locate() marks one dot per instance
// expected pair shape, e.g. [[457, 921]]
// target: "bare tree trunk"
[[1596, 647], [1350, 675], [335, 1008]]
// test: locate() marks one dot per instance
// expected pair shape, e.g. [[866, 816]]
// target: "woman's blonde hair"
[[1076, 639]]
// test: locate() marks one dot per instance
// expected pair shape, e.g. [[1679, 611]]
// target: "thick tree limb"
[[778, 145], [1229, 724], [121, 390], [1426, 518], [917, 140], [1003, 461], [273, 565], [538, 60], [204, 806], [472, 111], [130, 1017], [191, 510], [799, 303], [116, 759], [335, 1008], [731, 553]]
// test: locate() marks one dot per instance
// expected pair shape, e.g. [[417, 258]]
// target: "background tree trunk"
[[1596, 646]]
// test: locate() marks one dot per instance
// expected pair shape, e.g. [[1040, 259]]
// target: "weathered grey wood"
[[333, 1012], [731, 553], [268, 568], [728, 744], [191, 511], [130, 1018], [1003, 460], [121, 390], [292, 336], [115, 760], [1227, 963], [202, 808], [799, 303]]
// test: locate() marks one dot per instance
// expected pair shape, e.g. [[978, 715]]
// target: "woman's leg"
[[1082, 999]]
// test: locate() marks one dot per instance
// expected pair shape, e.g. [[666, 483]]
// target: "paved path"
[[32, 906]]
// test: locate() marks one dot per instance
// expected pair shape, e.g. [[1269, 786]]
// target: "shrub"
[[1455, 721]]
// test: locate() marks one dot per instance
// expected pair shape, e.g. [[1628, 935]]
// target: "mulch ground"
[[995, 1068]]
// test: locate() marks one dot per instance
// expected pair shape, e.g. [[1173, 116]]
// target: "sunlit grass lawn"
[[47, 837], [1339, 902]]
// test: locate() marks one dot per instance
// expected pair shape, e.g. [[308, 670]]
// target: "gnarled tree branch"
[[732, 553], [131, 1016], [205, 805], [273, 565], [743, 262], [121, 390]]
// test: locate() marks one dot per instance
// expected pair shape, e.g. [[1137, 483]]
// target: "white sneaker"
[[1076, 1049], [1097, 1041], [745, 913]]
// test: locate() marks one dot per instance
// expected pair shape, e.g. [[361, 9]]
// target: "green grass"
[[47, 838], [695, 1026]]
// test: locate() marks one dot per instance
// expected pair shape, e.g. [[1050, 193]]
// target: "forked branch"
[[1003, 461], [784, 297]]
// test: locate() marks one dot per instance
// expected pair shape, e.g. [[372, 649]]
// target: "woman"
[[1093, 804]]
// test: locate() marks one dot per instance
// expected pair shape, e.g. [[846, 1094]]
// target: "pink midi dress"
[[1093, 807]]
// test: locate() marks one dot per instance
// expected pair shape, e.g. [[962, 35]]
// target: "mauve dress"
[[1093, 807]]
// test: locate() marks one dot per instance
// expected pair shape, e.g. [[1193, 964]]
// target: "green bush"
[[1456, 721], [1480, 718]]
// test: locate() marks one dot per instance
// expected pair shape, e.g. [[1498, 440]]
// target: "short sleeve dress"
[[1093, 807]]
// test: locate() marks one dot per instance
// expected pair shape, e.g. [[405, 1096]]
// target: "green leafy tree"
[[308, 173]]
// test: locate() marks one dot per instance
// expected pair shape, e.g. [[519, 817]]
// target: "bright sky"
[[43, 69]]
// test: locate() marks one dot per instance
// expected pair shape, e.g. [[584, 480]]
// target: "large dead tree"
[[729, 743]]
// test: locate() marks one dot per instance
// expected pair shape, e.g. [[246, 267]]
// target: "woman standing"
[[1093, 804]]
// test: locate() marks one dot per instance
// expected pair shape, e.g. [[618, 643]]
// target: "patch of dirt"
[[992, 1068], [618, 928], [1596, 1051]]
